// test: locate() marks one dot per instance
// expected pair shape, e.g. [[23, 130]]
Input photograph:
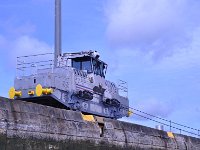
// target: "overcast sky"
[[153, 45]]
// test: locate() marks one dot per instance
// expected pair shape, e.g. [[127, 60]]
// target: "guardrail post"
[[170, 125], [180, 131]]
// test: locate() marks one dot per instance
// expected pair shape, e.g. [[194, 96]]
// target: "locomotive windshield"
[[82, 63], [90, 64]]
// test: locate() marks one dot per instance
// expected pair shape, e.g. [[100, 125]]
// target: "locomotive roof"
[[90, 53]]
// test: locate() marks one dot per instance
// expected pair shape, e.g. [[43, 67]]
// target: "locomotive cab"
[[87, 62], [90, 65]]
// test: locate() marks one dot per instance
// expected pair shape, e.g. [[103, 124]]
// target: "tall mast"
[[58, 38]]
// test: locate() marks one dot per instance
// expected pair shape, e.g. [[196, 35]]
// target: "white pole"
[[58, 51]]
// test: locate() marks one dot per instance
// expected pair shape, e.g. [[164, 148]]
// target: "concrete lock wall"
[[30, 126]]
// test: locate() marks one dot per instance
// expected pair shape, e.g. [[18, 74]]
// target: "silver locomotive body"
[[77, 82]]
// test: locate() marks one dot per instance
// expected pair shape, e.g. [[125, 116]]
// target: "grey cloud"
[[158, 26], [21, 46], [154, 107], [12, 27]]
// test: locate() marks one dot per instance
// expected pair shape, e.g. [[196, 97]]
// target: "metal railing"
[[123, 88], [176, 127], [29, 65]]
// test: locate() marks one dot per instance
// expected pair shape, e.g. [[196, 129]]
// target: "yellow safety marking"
[[46, 91], [88, 118], [31, 92], [13, 93], [130, 113], [170, 134]]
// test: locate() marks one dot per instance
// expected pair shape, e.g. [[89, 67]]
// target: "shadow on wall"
[[34, 144]]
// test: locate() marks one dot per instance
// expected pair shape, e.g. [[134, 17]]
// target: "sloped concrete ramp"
[[29, 126]]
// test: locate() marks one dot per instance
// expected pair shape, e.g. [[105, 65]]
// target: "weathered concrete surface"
[[29, 126]]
